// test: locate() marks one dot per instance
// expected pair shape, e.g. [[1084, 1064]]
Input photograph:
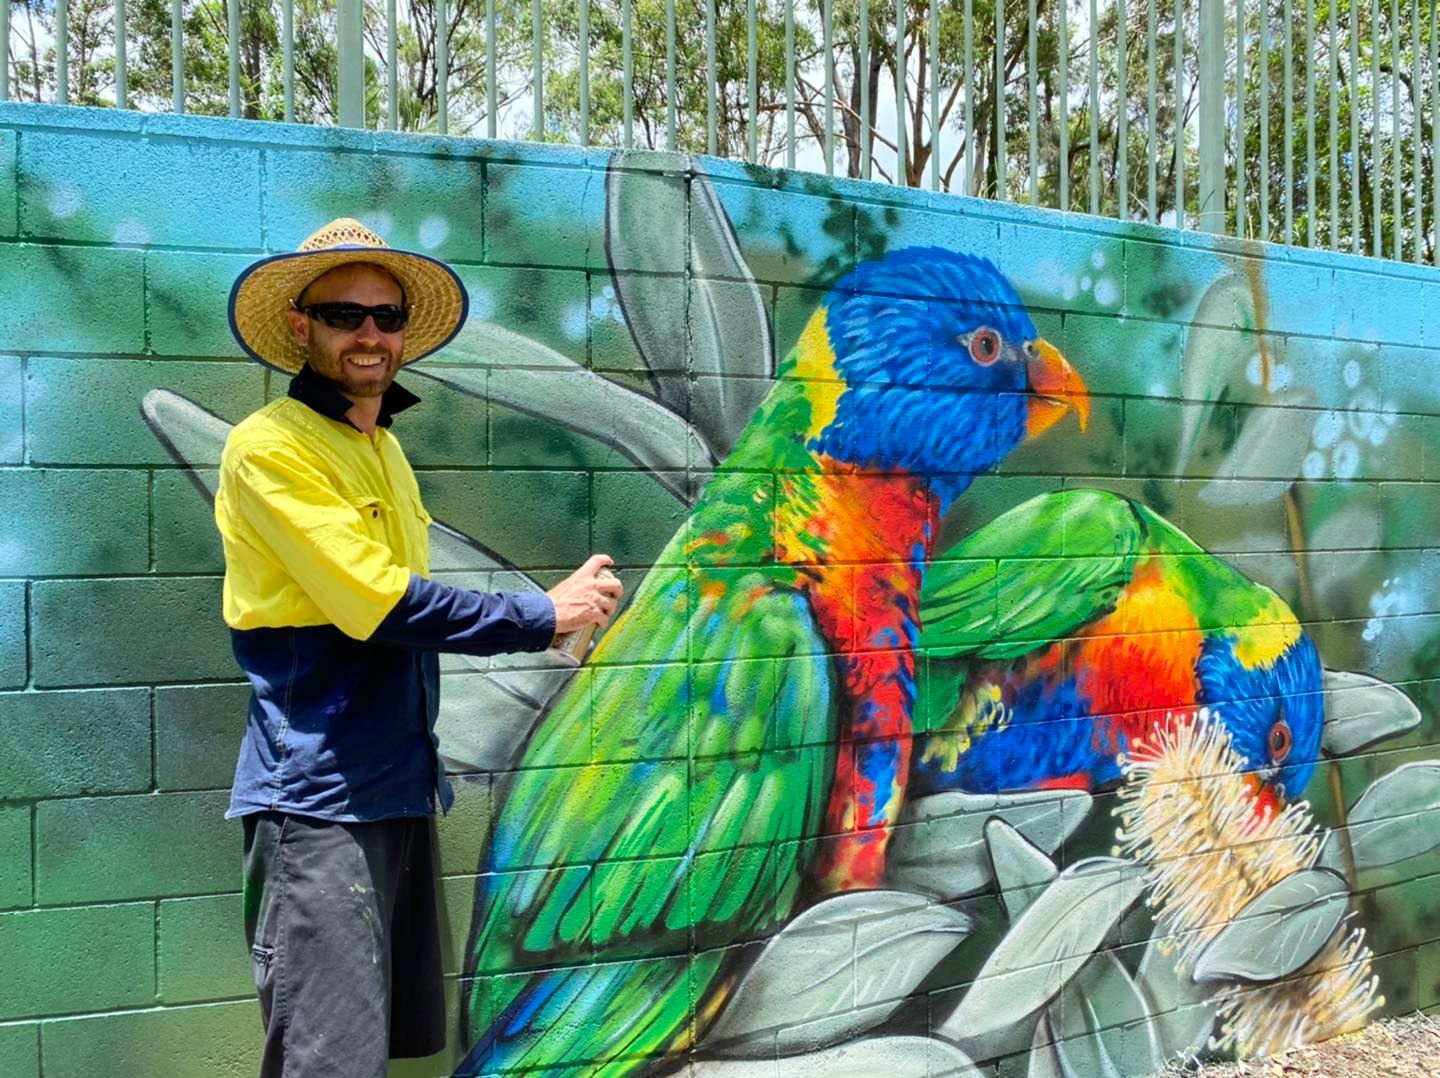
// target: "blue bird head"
[[1274, 711], [944, 372]]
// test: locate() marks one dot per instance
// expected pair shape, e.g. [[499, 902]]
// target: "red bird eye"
[[985, 346], [1280, 741]]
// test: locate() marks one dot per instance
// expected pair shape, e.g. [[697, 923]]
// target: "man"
[[337, 626]]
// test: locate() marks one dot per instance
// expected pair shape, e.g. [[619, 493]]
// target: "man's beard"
[[333, 367]]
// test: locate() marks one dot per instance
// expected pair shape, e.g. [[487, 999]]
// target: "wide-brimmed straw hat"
[[265, 291]]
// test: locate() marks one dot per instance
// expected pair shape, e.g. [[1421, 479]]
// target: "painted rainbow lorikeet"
[[1066, 629], [758, 690]]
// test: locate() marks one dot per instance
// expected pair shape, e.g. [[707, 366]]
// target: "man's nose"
[[368, 331]]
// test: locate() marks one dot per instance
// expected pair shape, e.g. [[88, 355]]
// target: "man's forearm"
[[432, 616]]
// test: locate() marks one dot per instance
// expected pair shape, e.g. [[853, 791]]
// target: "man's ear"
[[299, 326]]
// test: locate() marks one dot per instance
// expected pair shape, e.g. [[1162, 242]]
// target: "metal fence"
[[1297, 121]]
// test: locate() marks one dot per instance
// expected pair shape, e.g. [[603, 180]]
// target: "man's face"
[[362, 362]]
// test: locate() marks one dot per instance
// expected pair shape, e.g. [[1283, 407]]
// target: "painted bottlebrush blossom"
[[1190, 815]]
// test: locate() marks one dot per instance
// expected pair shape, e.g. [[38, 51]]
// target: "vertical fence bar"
[[585, 67], [864, 77], [1179, 113], [392, 71], [1354, 127], [1310, 122], [537, 74], [671, 135], [1377, 172], [62, 51], [121, 81], [1212, 116], [1032, 115], [1094, 153], [1434, 133], [1242, 217], [1397, 213], [177, 58], [1122, 164], [1265, 120], [751, 80], [934, 95], [233, 53], [790, 75], [1000, 100], [491, 106], [442, 66], [1417, 211], [1332, 92], [828, 19], [1150, 170], [287, 58], [1289, 56], [710, 76], [901, 157], [627, 79], [1064, 110], [970, 187], [349, 43], [5, 56]]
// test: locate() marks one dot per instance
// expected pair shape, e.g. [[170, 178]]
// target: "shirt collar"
[[315, 391]]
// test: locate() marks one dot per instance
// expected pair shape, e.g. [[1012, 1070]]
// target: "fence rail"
[[1296, 121]]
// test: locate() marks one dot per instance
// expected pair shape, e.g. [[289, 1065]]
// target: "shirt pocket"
[[375, 516]]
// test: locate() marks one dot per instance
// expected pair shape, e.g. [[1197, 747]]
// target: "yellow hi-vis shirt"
[[321, 524]]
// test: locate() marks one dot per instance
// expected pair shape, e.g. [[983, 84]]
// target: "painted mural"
[[1024, 669]]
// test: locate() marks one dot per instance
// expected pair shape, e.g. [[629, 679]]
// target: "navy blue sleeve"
[[431, 616]]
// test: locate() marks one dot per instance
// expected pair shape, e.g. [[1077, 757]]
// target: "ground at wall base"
[[1407, 1046]]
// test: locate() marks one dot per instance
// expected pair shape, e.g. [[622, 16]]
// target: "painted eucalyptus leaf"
[[1021, 870], [710, 349], [1104, 1022], [893, 1057], [1048, 945], [732, 347], [1278, 931], [1361, 710], [540, 382], [939, 846], [837, 969], [194, 436], [483, 725], [1181, 1010], [637, 213], [1394, 820]]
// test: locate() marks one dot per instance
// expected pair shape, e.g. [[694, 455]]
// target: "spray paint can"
[[572, 647]]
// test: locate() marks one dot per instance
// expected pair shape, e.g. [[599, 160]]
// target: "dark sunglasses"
[[348, 317]]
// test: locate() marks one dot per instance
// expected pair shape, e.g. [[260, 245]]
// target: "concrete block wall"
[[1279, 407]]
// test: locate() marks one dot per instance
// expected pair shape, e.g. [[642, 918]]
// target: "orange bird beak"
[[1056, 388]]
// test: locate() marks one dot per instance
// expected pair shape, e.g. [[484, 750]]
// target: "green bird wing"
[[673, 786], [1033, 575]]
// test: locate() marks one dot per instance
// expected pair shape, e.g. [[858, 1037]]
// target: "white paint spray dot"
[[1107, 292], [131, 231], [433, 232], [1313, 466], [1328, 428], [1345, 461], [1351, 373], [482, 304], [65, 200], [573, 323]]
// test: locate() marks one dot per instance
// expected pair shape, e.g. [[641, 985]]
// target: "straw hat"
[[264, 292]]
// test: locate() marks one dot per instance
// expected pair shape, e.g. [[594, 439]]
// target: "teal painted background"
[[1280, 406]]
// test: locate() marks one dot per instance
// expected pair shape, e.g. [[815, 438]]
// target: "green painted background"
[[120, 708]]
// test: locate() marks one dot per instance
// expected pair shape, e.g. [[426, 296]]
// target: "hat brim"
[[262, 294]]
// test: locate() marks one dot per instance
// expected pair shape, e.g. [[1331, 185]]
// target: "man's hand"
[[588, 596]]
